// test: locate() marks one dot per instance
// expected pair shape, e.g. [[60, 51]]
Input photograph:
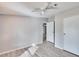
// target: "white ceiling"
[[26, 8]]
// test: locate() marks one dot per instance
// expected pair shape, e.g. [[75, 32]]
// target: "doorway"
[[44, 31]]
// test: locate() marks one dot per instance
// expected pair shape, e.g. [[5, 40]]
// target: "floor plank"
[[46, 49]]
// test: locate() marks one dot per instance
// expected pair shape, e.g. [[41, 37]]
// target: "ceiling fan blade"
[[49, 3], [37, 9], [51, 7]]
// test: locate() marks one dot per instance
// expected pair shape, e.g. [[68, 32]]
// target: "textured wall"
[[17, 32]]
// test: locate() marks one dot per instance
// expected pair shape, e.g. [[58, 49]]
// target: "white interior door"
[[50, 32], [71, 36]]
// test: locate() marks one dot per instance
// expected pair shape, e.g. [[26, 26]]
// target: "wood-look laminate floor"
[[46, 49]]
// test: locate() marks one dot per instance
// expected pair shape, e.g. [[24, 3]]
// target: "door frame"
[[54, 32], [44, 31]]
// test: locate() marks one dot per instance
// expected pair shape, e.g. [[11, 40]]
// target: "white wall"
[[59, 37], [17, 32], [59, 29]]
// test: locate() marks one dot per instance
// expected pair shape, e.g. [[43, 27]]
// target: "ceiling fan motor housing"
[[55, 4]]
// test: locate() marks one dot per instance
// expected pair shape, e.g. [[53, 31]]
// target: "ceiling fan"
[[43, 10]]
